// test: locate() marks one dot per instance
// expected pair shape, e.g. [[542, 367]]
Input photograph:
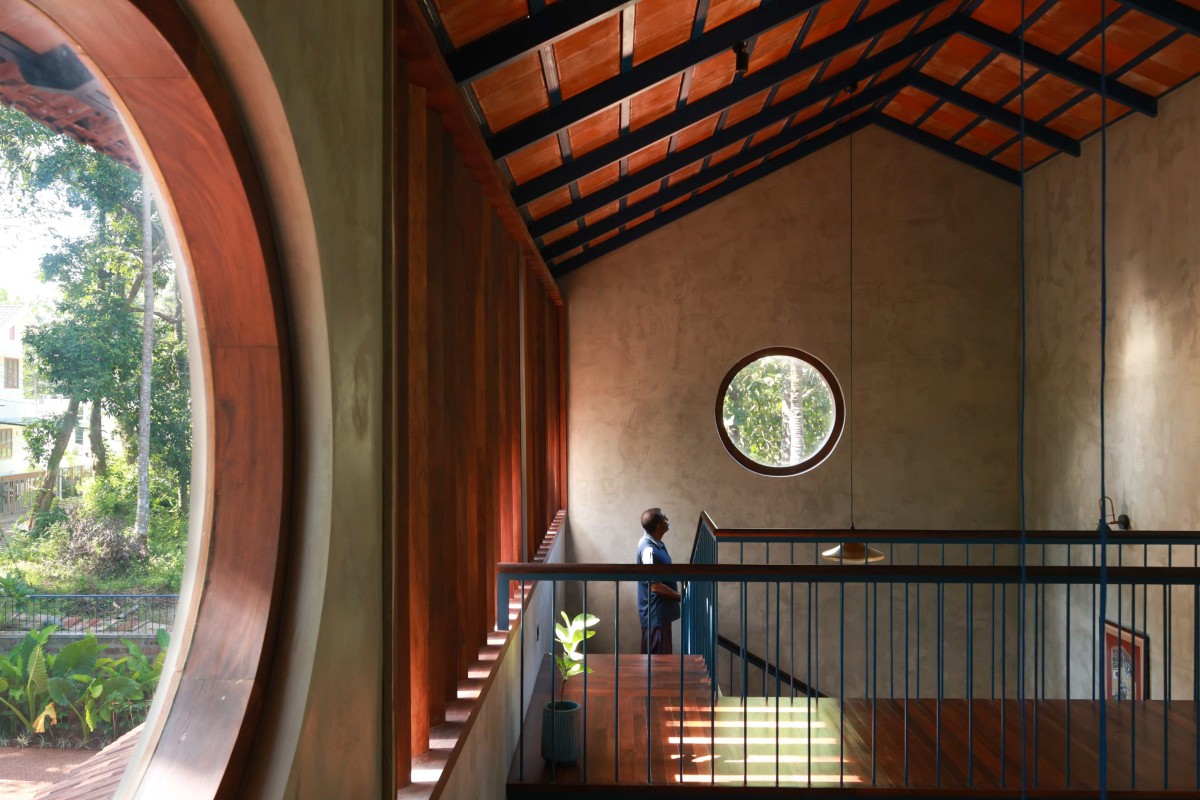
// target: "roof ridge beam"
[[1177, 15], [942, 147], [750, 85], [646, 74], [716, 193], [998, 114], [737, 133], [698, 181], [1059, 66], [494, 50]]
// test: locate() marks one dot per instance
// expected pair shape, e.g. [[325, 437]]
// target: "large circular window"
[[780, 411]]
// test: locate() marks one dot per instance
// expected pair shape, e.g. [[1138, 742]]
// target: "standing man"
[[658, 602]]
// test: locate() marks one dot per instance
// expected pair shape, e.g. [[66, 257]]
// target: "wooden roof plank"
[[645, 75], [1177, 15], [488, 53], [995, 113], [721, 140], [1056, 65], [752, 84], [727, 187], [686, 187]]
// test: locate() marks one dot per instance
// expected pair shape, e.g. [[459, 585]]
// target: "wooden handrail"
[[848, 573]]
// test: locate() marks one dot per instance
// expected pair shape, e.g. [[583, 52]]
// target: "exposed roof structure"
[[614, 117], [42, 76]]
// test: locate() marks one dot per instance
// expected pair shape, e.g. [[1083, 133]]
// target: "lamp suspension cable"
[[1103, 366], [850, 394], [1021, 421]]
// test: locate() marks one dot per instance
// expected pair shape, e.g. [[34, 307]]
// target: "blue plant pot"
[[562, 739]]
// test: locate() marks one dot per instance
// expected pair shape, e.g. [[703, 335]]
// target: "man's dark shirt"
[[653, 609]]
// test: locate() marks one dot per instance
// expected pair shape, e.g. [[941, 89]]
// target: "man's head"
[[655, 523]]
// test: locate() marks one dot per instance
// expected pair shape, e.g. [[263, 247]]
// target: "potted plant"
[[562, 740]]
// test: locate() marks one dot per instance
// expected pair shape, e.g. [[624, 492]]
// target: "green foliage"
[[569, 638], [90, 349], [760, 403], [86, 544], [39, 690]]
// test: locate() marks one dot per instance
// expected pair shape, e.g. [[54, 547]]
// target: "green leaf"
[[59, 689], [39, 681], [561, 633], [164, 639], [96, 689], [591, 620], [78, 656]]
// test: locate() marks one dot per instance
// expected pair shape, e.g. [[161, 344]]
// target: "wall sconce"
[[1108, 516], [741, 58]]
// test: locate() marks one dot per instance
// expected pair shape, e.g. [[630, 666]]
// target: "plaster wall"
[[317, 128], [895, 266], [1152, 430]]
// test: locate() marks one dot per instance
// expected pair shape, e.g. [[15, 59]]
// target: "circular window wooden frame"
[[813, 461], [187, 134]]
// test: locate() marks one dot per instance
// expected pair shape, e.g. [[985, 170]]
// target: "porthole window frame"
[[822, 453]]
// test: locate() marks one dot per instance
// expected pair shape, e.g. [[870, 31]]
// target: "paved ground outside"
[[25, 770]]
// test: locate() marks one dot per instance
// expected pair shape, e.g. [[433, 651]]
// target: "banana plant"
[[569, 637]]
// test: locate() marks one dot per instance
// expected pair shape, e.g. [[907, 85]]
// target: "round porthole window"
[[780, 411]]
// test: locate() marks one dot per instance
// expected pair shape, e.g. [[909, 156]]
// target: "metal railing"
[[79, 614], [944, 665]]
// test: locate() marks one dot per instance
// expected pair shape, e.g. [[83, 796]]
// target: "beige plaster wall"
[[933, 394], [317, 127], [1152, 430]]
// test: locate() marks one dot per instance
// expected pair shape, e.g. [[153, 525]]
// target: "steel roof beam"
[[1059, 66], [999, 114], [646, 74], [729, 136], [699, 181], [714, 194], [1177, 15], [939, 145], [491, 52], [750, 85]]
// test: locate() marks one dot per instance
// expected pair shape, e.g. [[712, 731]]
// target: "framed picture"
[[1126, 664]]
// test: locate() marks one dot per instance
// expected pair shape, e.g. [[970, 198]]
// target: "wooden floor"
[[798, 744]]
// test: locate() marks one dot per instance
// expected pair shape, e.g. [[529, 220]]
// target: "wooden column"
[[410, 337]]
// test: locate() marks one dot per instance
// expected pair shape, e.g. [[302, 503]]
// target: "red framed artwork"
[[1126, 664]]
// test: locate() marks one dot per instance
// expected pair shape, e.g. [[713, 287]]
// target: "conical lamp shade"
[[853, 553]]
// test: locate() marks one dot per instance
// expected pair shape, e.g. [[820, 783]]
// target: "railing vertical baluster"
[[937, 644], [766, 621], [1166, 671], [892, 626], [553, 709], [745, 701], [681, 704], [1003, 682], [1133, 691], [918, 626], [712, 689], [792, 624], [585, 682], [1196, 663], [992, 655], [906, 673], [874, 669], [970, 681], [521, 699], [1036, 653], [617, 685], [777, 632], [646, 644], [842, 675], [815, 672], [1068, 590]]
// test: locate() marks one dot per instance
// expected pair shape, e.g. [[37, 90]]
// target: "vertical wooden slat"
[[439, 590], [415, 336]]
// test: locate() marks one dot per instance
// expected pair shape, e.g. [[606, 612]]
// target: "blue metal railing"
[[1011, 642], [80, 614]]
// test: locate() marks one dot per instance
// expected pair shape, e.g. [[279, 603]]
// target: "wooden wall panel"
[[459, 432]]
